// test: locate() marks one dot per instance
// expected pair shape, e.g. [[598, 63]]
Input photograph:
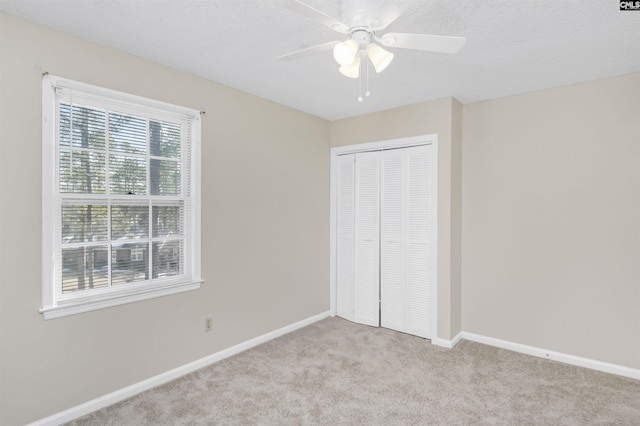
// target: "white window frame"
[[54, 303]]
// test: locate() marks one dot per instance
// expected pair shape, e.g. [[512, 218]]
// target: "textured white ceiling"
[[512, 46]]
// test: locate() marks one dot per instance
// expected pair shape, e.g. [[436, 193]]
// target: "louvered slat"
[[418, 292], [392, 271], [345, 236], [367, 232]]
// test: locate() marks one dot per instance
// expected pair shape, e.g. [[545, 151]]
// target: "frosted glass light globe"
[[345, 52]]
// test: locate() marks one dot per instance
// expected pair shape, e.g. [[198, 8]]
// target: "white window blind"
[[120, 198]]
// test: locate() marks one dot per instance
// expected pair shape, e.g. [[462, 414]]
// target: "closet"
[[384, 221]]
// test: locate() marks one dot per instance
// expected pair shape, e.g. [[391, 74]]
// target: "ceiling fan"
[[362, 21]]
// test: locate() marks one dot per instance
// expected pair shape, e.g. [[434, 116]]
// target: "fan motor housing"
[[362, 36]]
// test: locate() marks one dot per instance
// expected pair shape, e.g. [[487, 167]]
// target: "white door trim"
[[431, 139]]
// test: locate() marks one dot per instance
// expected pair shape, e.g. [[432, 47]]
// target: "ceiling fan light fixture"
[[345, 52], [352, 70], [379, 57]]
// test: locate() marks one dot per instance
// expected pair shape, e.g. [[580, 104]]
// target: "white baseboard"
[[555, 356], [129, 391], [449, 344]]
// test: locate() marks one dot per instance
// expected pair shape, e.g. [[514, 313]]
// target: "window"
[[121, 209]]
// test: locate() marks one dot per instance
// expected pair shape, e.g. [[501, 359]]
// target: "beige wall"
[[551, 219], [456, 217], [440, 117], [538, 209], [265, 220]]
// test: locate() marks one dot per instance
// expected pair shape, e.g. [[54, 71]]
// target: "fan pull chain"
[[367, 93], [360, 82]]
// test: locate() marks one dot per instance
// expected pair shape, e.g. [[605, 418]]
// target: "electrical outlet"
[[208, 324]]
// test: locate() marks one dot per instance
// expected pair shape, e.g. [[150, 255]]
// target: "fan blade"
[[316, 15], [309, 51], [429, 43], [385, 14]]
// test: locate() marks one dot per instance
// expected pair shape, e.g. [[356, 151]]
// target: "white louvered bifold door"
[[406, 284], [392, 300], [367, 239], [345, 216], [384, 239], [418, 247]]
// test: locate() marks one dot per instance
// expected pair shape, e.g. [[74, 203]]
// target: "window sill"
[[106, 301]]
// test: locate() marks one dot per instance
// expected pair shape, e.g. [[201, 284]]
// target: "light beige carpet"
[[337, 372]]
